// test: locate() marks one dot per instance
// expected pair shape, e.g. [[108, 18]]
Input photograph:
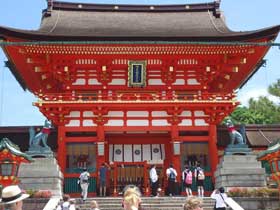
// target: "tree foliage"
[[259, 111], [274, 89]]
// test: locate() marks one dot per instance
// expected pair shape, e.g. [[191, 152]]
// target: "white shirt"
[[66, 204], [85, 173], [219, 200], [153, 175], [168, 171]]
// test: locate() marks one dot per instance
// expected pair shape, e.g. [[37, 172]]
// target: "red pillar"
[[175, 158], [61, 151], [212, 146]]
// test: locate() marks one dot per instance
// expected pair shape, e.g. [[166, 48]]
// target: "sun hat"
[[12, 194]]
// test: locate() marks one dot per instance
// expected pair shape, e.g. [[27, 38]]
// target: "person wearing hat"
[[12, 197], [84, 183]]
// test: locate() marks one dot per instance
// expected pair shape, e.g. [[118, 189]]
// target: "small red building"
[[272, 156], [10, 159], [134, 85]]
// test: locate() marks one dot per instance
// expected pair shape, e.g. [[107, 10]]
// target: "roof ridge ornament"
[[49, 8]]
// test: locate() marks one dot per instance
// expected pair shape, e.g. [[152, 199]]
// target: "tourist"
[[171, 176], [102, 173], [200, 176], [187, 180], [220, 196], [12, 197], [84, 183], [193, 203], [67, 203], [154, 180], [131, 198], [94, 205]]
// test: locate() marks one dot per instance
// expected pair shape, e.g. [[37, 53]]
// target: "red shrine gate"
[[126, 85]]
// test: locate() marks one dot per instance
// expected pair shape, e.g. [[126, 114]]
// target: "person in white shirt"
[[220, 196], [199, 177], [171, 174], [154, 180], [84, 183]]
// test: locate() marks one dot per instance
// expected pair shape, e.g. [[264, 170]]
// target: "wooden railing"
[[125, 173], [135, 96]]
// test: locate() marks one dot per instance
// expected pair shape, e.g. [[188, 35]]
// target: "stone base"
[[42, 174], [39, 151], [239, 171], [238, 149]]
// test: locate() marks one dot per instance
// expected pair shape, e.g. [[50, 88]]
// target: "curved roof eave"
[[270, 33]]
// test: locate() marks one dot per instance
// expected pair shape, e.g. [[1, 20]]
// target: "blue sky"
[[241, 15]]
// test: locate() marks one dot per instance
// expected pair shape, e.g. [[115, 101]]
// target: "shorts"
[[102, 183], [187, 185], [200, 183]]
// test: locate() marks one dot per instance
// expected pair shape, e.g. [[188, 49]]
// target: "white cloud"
[[244, 96]]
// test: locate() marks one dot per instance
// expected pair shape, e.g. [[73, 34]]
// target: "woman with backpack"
[[187, 180], [199, 175]]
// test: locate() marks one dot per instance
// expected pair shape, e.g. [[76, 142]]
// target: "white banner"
[[146, 152], [127, 153], [153, 153], [118, 153], [137, 153]]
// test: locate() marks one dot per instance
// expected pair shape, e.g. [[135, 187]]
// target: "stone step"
[[148, 203]]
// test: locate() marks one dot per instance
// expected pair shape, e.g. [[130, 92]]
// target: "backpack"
[[172, 175], [188, 177], [200, 175]]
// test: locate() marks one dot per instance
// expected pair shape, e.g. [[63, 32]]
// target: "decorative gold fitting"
[[235, 69], [49, 87], [243, 60], [208, 69], [227, 77], [221, 85], [104, 68], [37, 69], [29, 60], [44, 76], [171, 68], [66, 68]]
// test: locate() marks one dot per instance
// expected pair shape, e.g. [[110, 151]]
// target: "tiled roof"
[[189, 22]]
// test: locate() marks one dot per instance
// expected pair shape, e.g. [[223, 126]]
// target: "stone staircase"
[[42, 174], [148, 203]]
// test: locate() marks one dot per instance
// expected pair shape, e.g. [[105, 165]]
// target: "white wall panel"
[[137, 122]]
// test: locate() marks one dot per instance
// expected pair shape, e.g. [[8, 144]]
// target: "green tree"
[[274, 89], [261, 110]]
